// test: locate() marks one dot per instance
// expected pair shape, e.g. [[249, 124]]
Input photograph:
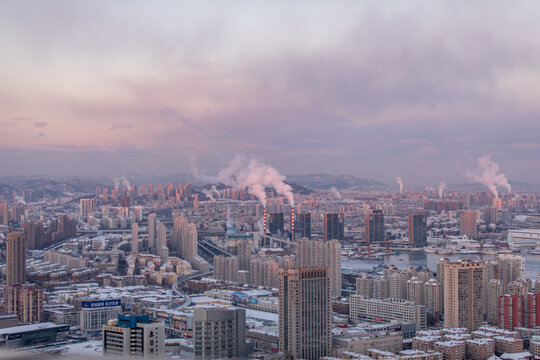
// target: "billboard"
[[100, 304]]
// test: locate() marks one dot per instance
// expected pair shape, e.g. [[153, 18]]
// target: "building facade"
[[334, 226], [464, 294], [219, 333], [305, 313], [133, 336], [418, 230], [374, 227], [375, 310]]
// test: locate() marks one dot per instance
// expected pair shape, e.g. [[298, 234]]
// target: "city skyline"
[[420, 91]]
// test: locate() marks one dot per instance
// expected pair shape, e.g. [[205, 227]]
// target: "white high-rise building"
[[134, 238], [152, 223], [161, 241], [305, 312], [322, 254]]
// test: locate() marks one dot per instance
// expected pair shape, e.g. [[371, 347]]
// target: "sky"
[[375, 89]]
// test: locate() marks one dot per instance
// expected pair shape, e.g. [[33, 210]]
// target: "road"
[[182, 280]]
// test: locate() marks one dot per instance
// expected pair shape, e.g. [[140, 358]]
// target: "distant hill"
[[327, 181], [516, 187]]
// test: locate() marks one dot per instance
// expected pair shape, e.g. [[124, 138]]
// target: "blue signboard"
[[100, 304]]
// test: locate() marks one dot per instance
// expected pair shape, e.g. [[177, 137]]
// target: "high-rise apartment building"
[[219, 333], [518, 310], [374, 227], [15, 258], [34, 233], [314, 253], [26, 301], [152, 223], [418, 230], [494, 291], [433, 291], [416, 291], [87, 207], [305, 313], [244, 254], [4, 214], [276, 223], [134, 238], [520, 286], [161, 240], [138, 212], [509, 268], [464, 291], [178, 226], [334, 226], [134, 336], [364, 285], [440, 269], [226, 268], [304, 225], [467, 222]]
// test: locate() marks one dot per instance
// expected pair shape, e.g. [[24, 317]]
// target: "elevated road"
[[182, 280], [209, 246]]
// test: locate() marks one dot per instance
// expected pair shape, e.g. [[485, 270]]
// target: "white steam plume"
[[247, 173], [215, 191], [260, 225], [124, 181], [126, 184], [19, 200], [400, 183], [208, 194], [488, 175], [335, 191], [442, 187]]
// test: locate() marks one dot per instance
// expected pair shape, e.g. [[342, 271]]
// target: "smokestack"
[[264, 219]]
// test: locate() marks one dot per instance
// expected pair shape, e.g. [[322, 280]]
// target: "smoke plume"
[[215, 191], [124, 181], [126, 184], [19, 200], [208, 194], [488, 174], [250, 174], [400, 183], [442, 187], [335, 191]]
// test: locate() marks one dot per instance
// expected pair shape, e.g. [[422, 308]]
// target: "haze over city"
[[270, 180], [417, 89]]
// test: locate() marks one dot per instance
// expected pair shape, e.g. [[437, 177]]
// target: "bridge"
[[269, 241], [182, 280], [209, 247]]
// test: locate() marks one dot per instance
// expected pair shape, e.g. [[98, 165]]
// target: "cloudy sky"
[[375, 89]]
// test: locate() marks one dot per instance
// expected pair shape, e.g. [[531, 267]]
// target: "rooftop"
[[26, 328]]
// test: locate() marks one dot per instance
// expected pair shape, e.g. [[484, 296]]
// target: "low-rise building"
[[367, 309], [133, 336], [28, 335], [479, 349], [451, 350]]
